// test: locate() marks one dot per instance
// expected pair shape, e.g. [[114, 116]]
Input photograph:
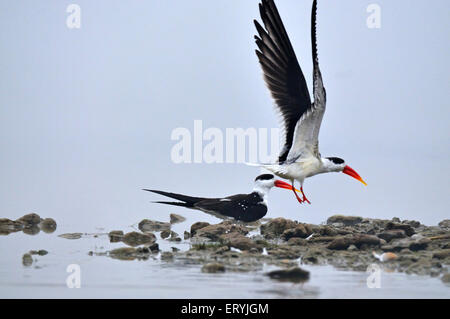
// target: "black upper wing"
[[282, 72], [244, 207]]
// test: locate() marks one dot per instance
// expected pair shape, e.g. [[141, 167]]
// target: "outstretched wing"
[[306, 136], [282, 73]]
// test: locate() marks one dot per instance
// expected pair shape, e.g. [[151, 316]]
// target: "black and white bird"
[[241, 207], [299, 158]]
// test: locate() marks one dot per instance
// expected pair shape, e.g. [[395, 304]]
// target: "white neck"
[[263, 191]]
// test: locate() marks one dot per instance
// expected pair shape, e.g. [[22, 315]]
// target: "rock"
[[275, 227], [187, 235], [27, 260], [213, 268], [31, 230], [412, 223], [352, 248], [409, 231], [174, 219], [297, 241], [71, 235], [359, 240], [441, 254], [135, 239], [214, 232], [417, 244], [239, 241], [147, 225], [165, 234], [346, 220], [8, 226], [48, 225], [30, 219], [41, 252], [124, 253], [301, 230], [115, 236], [445, 223], [196, 226], [389, 235], [446, 278], [175, 249], [154, 248], [295, 275], [174, 236], [340, 243], [167, 256]]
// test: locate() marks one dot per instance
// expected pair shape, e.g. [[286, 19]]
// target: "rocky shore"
[[346, 242]]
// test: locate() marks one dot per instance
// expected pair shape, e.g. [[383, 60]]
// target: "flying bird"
[[299, 157], [241, 207]]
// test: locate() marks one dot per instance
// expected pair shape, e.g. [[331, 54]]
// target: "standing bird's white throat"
[[301, 119]]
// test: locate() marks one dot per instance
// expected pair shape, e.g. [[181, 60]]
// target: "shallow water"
[[104, 277]]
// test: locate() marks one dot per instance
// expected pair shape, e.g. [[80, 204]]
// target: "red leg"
[[295, 193], [304, 196]]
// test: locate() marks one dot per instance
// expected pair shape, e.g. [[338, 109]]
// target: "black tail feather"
[[175, 204], [189, 200]]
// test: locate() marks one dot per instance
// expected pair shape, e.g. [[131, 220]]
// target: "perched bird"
[[242, 207], [299, 158]]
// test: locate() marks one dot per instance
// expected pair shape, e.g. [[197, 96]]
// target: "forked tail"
[[186, 201]]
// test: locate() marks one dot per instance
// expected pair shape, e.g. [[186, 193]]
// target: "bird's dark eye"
[[264, 177], [336, 160]]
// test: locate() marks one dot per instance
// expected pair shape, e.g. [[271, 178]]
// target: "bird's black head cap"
[[336, 160], [264, 177]]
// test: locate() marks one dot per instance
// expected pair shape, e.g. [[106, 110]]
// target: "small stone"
[[213, 268], [446, 278], [409, 231], [165, 234], [115, 236], [301, 230], [441, 254], [8, 226], [135, 239], [27, 260], [214, 232], [276, 227], [174, 219], [346, 220], [154, 247], [297, 241], [147, 225], [30, 219], [175, 249], [295, 275], [167, 256], [187, 235], [124, 253], [389, 235], [48, 225], [445, 223], [41, 252], [196, 226], [71, 235], [352, 248], [239, 241]]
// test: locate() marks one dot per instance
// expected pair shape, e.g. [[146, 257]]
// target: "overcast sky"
[[86, 115]]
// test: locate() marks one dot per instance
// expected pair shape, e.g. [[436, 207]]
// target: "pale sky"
[[86, 115]]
